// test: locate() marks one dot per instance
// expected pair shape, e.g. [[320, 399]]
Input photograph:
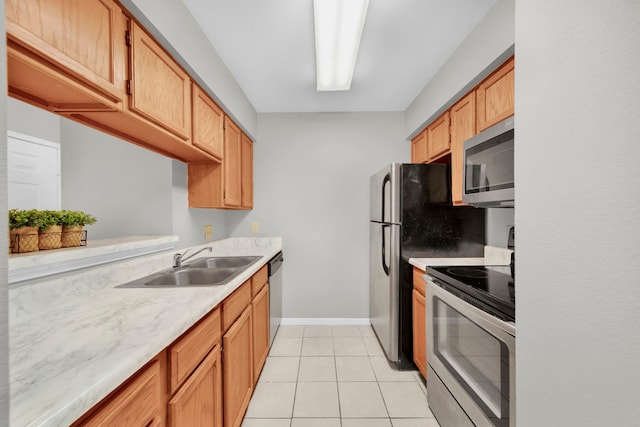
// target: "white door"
[[33, 166]]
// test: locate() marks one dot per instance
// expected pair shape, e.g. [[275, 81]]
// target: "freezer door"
[[384, 194], [384, 284]]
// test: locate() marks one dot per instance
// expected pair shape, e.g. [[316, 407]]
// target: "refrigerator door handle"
[[385, 181], [384, 249]]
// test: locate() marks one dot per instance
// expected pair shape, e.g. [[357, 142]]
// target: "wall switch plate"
[[255, 228], [208, 232]]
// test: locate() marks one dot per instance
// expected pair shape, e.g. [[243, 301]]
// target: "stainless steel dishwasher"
[[275, 294]]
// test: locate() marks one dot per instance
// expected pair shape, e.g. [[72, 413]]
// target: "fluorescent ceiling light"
[[338, 28]]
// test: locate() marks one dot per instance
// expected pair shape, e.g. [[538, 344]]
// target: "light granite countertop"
[[74, 337], [493, 255]]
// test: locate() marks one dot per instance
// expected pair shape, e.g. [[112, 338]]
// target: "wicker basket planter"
[[50, 238], [24, 239], [71, 236]]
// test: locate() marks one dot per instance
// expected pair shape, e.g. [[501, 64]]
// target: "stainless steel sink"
[[194, 277], [210, 271], [223, 262]]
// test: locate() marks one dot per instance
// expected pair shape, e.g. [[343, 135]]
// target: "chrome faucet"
[[179, 258]]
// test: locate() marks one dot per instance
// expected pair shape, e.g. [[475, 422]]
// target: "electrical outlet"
[[255, 228], [208, 232]]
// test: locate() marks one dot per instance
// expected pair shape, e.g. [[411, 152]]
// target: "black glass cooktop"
[[491, 288]]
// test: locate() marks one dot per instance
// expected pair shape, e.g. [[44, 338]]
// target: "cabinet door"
[[463, 127], [419, 148], [208, 123], [419, 333], [247, 172], [82, 42], [198, 403], [139, 403], [438, 140], [232, 164], [186, 353], [237, 369], [495, 96], [160, 90], [260, 313]]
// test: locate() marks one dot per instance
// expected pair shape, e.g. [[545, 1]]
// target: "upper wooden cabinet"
[[90, 61], [230, 184], [232, 164], [208, 123], [419, 148], [487, 104], [463, 127], [66, 55], [438, 140], [247, 172], [160, 90], [495, 96]]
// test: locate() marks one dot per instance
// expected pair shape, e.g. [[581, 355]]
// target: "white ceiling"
[[268, 45]]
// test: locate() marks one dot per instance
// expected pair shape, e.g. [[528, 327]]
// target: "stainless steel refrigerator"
[[411, 216]]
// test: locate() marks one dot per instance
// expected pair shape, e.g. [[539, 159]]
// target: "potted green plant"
[[72, 226], [23, 230], [50, 229]]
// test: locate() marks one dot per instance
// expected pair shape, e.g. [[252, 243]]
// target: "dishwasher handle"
[[275, 263]]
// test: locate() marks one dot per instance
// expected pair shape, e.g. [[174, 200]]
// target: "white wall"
[[489, 44], [29, 120], [312, 188], [189, 223], [577, 156], [128, 188], [171, 23], [4, 324]]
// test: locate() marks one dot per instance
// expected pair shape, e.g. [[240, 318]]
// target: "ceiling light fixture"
[[338, 28]]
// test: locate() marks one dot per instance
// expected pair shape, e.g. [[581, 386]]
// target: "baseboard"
[[324, 321]]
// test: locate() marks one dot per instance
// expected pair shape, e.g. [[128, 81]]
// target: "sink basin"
[[209, 271], [222, 262], [194, 277]]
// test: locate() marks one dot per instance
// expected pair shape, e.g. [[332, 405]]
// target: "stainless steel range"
[[471, 345]]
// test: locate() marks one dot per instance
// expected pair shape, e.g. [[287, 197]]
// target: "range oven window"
[[478, 360], [489, 165]]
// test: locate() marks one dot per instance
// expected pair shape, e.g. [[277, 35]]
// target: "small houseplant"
[[50, 229], [72, 226], [23, 230]]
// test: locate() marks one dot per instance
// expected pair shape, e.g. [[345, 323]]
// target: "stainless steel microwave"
[[488, 167]]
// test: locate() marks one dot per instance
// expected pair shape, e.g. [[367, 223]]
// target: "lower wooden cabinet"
[[199, 400], [260, 313], [205, 377], [419, 323], [138, 403], [237, 369]]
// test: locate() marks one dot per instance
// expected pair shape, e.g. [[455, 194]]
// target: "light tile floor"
[[335, 376]]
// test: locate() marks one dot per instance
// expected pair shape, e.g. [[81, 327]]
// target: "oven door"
[[473, 354]]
